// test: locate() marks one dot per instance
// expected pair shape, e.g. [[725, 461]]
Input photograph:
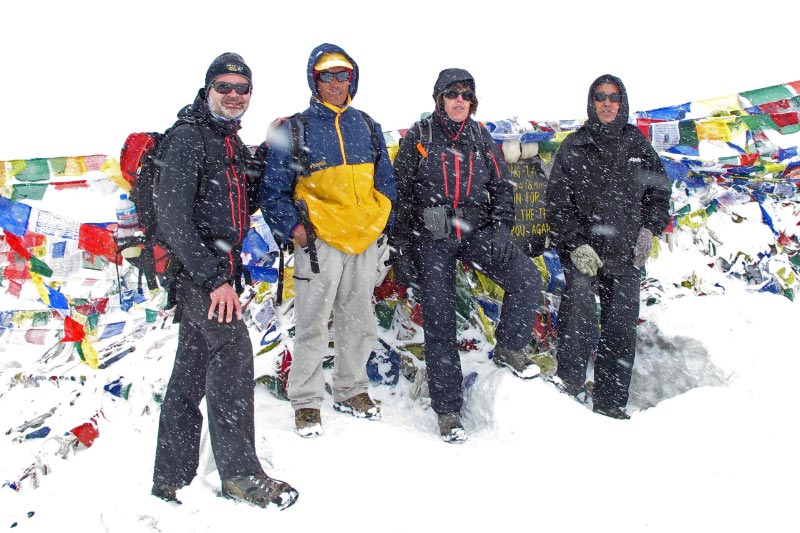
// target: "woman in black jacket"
[[608, 195], [455, 202]]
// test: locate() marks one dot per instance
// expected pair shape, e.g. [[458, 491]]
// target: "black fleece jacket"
[[203, 229], [607, 183]]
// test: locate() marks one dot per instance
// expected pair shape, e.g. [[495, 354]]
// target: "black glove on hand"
[[403, 265], [502, 249]]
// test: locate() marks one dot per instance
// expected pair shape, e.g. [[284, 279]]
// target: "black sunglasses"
[[452, 94], [223, 87], [326, 76], [601, 97]]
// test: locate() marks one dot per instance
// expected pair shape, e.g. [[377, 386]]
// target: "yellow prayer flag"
[[89, 354], [774, 168], [17, 166], [488, 327], [111, 169], [694, 220], [38, 282], [713, 130], [721, 103], [560, 136], [74, 166], [542, 266]]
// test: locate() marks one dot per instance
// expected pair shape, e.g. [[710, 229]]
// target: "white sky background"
[[79, 76]]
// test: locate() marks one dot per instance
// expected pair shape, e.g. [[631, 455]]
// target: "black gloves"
[[502, 249], [402, 261]]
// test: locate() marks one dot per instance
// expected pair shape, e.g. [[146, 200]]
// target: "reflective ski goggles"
[[452, 94], [601, 97], [326, 76], [223, 87]]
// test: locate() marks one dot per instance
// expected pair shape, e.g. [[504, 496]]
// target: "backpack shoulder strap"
[[425, 128], [298, 124], [211, 155], [375, 142]]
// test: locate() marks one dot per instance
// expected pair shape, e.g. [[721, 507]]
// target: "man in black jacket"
[[456, 202], [608, 195], [204, 230]]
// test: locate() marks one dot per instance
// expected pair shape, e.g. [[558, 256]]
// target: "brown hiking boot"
[[307, 423], [451, 429], [168, 493], [260, 490], [612, 412], [360, 406], [518, 361]]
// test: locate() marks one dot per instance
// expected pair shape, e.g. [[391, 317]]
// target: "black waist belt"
[[439, 220]]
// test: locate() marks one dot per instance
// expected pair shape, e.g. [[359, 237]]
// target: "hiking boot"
[[260, 490], [360, 406], [451, 429], [612, 412], [580, 393], [168, 493], [518, 361], [307, 423]]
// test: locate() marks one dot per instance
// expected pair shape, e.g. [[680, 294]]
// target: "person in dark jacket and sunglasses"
[[205, 231], [607, 197], [456, 202]]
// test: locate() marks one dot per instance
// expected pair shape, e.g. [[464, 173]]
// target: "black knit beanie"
[[227, 63]]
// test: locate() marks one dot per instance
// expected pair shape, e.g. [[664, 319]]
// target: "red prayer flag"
[[98, 241], [775, 107], [32, 240], [86, 432], [794, 85], [73, 330], [784, 119], [17, 271], [77, 184], [17, 245], [14, 288]]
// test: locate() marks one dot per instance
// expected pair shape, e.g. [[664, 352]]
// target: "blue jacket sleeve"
[[276, 195]]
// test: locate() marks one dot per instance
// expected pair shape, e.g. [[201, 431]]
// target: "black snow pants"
[[520, 280], [214, 360], [577, 332]]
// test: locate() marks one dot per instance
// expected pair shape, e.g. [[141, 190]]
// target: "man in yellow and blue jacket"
[[333, 202]]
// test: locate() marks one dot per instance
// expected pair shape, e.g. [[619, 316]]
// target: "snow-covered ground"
[[711, 445]]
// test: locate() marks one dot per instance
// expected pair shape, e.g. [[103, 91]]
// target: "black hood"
[[612, 129], [450, 76]]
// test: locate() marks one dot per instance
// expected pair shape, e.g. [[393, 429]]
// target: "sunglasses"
[[223, 87], [452, 94], [601, 97], [326, 76]]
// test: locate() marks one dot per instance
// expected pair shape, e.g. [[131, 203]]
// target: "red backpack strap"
[[130, 160]]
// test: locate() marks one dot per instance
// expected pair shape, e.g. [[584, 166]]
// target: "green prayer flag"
[[759, 122], [59, 165], [40, 267], [150, 315], [40, 318], [767, 94], [91, 322], [35, 170], [688, 133], [28, 191]]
